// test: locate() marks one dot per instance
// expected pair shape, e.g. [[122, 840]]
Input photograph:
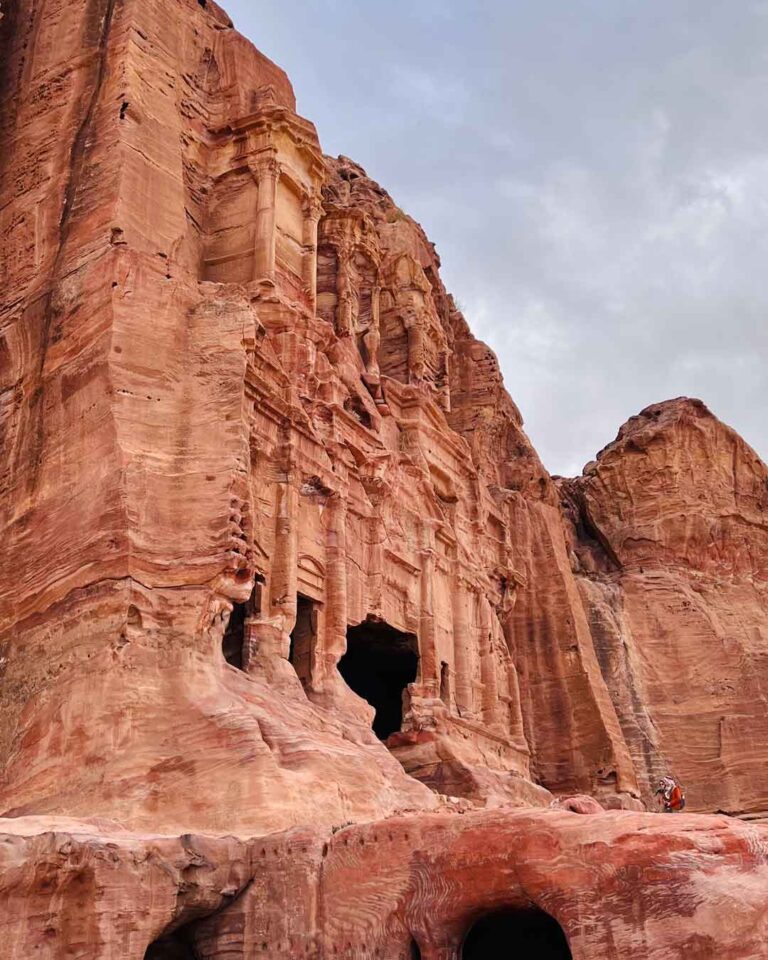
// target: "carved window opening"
[[379, 664], [529, 934], [304, 639], [233, 641]]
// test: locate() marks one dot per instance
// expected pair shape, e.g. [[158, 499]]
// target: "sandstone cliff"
[[669, 539], [278, 555]]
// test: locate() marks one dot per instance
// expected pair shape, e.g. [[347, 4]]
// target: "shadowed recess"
[[516, 935], [379, 664]]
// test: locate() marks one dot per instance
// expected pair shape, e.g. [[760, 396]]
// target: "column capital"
[[312, 207], [266, 166]]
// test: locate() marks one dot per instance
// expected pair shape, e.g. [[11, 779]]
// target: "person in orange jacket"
[[670, 795]]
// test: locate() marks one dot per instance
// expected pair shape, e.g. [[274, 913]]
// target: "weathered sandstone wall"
[[240, 408], [670, 544], [622, 884], [286, 595]]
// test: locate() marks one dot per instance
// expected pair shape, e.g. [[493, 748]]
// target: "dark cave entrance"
[[233, 641], [379, 664], [303, 639], [175, 946], [527, 934]]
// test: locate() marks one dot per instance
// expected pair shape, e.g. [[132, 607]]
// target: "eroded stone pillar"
[[414, 326], [372, 337], [267, 175], [335, 640], [375, 490], [430, 674], [516, 726], [313, 208], [283, 581], [445, 381], [462, 663], [516, 729], [345, 305], [488, 672]]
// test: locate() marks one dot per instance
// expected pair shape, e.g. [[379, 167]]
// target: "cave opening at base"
[[527, 934], [379, 664], [176, 946]]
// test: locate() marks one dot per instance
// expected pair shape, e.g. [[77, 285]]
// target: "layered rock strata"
[[248, 434], [278, 555], [669, 540], [639, 886]]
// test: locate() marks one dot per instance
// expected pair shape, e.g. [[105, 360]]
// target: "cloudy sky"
[[594, 174]]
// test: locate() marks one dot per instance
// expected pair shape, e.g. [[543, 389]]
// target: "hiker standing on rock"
[[670, 795]]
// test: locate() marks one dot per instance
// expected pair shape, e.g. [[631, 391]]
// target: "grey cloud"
[[595, 177]]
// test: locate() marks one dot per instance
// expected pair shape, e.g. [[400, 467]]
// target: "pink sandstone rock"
[[670, 545], [278, 556], [641, 886]]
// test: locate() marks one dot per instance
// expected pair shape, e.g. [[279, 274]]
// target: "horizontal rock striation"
[[614, 884], [293, 621], [669, 537]]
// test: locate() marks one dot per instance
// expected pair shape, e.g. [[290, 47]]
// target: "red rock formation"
[[238, 393], [278, 553], [670, 540], [616, 884]]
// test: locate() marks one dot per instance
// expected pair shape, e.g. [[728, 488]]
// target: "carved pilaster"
[[462, 662], [267, 173], [345, 306], [313, 209], [430, 673], [335, 641], [488, 672]]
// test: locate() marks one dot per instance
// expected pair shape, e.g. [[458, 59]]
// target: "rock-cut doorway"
[[379, 664], [528, 934]]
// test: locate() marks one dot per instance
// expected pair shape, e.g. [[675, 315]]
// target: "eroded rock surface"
[[616, 884], [278, 555], [670, 545]]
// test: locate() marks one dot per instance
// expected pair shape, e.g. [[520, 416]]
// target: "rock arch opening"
[[379, 664], [175, 946], [527, 934]]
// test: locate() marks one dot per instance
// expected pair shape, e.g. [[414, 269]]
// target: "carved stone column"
[[283, 581], [430, 673], [488, 664], [345, 306], [267, 175], [462, 663], [313, 209], [335, 640], [376, 489], [414, 325]]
